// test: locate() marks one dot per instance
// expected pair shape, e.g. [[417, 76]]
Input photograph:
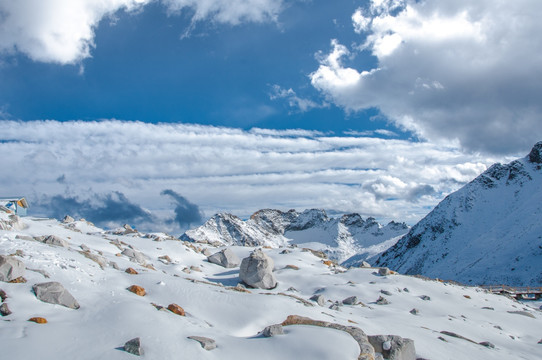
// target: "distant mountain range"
[[488, 232], [341, 238]]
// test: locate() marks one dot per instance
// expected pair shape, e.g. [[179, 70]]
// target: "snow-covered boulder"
[[257, 270], [225, 258], [10, 268], [54, 293]]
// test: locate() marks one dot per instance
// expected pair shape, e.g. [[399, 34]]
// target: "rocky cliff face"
[[341, 237], [488, 232]]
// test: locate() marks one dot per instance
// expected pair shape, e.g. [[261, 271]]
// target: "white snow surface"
[[110, 315], [340, 238], [488, 232]]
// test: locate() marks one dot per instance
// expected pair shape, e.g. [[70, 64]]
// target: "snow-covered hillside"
[[340, 238], [90, 264], [488, 232]]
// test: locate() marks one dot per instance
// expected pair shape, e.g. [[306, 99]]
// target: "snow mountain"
[[346, 238], [488, 232]]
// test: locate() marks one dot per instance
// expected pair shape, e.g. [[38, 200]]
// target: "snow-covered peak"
[[488, 232]]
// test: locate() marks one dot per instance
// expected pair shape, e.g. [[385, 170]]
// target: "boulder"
[[10, 268], [382, 301], [176, 309], [4, 310], [54, 293], [257, 270], [414, 311], [273, 330], [3, 295], [134, 347], [393, 347], [138, 290], [225, 258], [206, 343], [384, 271], [352, 300], [38, 320], [52, 240], [134, 255], [364, 264], [131, 271], [319, 298]]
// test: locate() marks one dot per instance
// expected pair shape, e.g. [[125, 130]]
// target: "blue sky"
[[155, 111]]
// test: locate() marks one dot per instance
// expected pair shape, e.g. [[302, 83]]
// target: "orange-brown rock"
[[466, 296], [38, 320], [293, 267], [19, 280], [138, 290], [176, 309], [327, 262], [131, 271]]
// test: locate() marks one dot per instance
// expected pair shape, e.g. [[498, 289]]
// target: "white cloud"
[[294, 101], [448, 70], [62, 31], [225, 169]]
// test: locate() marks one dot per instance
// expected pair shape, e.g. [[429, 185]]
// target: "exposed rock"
[[100, 260], [3, 295], [165, 259], [54, 293], [406, 290], [114, 265], [285, 251], [382, 301], [134, 255], [385, 292], [206, 343], [384, 271], [84, 248], [195, 268], [488, 308], [320, 300], [225, 258], [425, 297], [38, 320], [257, 271], [138, 290], [67, 219], [19, 280], [10, 268], [352, 300], [206, 252], [487, 344], [128, 229], [240, 288], [317, 253], [364, 264], [273, 330], [134, 347], [176, 309], [4, 310], [393, 347], [131, 271], [414, 311], [524, 313], [52, 240]]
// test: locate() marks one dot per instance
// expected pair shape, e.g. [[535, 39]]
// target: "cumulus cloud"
[[450, 71], [226, 169], [186, 213], [63, 31]]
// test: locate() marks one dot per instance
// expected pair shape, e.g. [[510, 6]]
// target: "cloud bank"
[[448, 70], [62, 31], [224, 169]]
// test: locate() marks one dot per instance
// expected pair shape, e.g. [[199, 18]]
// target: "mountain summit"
[[488, 232], [341, 238]]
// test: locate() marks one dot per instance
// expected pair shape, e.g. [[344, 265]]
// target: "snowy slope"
[[110, 315], [488, 232], [341, 238]]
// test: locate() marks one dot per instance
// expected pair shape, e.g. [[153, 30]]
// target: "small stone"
[[273, 330], [4, 310], [384, 271], [186, 270], [487, 344], [38, 320], [488, 308], [53, 240], [425, 297], [386, 345], [291, 288], [3, 295], [467, 297], [385, 292], [206, 343], [165, 259], [131, 271], [414, 311], [84, 248], [352, 300], [138, 290], [406, 290], [285, 251], [195, 268], [176, 309], [19, 280], [382, 301], [335, 306], [319, 298], [134, 347], [293, 267]]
